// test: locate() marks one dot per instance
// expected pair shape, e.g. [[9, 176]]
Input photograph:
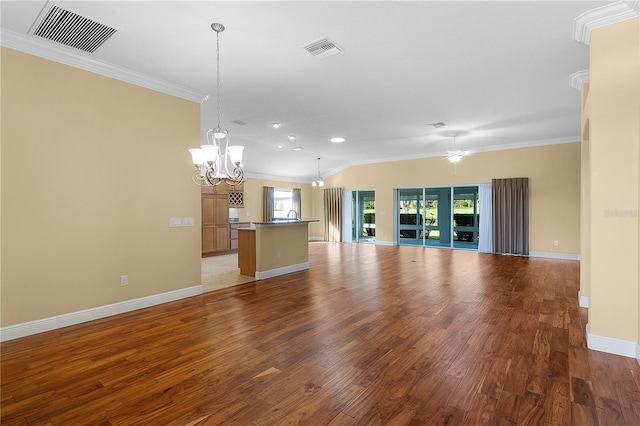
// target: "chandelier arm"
[[226, 153], [197, 178], [236, 178]]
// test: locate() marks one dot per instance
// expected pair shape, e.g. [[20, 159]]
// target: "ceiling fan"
[[456, 154]]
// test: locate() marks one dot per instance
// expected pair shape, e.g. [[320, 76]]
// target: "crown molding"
[[577, 79], [64, 55], [603, 15]]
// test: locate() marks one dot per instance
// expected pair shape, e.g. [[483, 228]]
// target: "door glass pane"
[[410, 216], [437, 211], [465, 217], [363, 211]]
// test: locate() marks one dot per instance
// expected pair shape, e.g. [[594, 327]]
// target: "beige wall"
[[614, 143], [252, 210], [92, 170], [281, 246], [554, 185]]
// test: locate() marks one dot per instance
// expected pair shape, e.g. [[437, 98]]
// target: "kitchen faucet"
[[295, 214]]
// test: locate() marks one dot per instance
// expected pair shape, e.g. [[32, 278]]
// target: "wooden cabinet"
[[236, 195], [217, 235], [247, 252], [215, 219]]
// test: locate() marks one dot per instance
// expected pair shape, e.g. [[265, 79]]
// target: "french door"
[[438, 216]]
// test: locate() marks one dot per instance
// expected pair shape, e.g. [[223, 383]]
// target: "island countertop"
[[280, 222]]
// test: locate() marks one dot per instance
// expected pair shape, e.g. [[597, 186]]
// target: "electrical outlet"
[[124, 280], [555, 243], [279, 254]]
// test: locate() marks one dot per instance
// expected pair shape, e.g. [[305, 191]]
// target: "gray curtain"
[[268, 193], [510, 199], [296, 200], [333, 214]]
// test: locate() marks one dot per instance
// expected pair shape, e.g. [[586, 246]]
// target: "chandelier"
[[212, 159], [318, 182]]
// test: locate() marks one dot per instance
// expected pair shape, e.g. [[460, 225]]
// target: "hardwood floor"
[[369, 335]]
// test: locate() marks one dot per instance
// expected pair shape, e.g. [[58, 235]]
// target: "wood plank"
[[369, 334]]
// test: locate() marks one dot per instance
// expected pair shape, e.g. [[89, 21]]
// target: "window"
[[282, 202]]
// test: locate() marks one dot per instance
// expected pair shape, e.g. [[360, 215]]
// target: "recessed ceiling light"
[[275, 125], [280, 146], [291, 137], [337, 140], [297, 148]]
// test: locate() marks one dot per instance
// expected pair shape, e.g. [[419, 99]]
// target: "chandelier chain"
[[218, 74]]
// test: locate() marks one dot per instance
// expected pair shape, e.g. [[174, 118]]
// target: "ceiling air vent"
[[73, 30], [322, 48]]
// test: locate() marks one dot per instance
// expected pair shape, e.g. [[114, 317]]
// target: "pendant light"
[[318, 182], [216, 154]]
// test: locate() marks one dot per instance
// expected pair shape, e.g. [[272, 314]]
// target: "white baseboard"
[[583, 301], [638, 353], [46, 324], [263, 275], [316, 239], [612, 345], [384, 243], [554, 255]]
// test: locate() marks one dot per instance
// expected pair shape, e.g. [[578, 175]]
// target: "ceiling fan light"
[[455, 158], [314, 183], [321, 183]]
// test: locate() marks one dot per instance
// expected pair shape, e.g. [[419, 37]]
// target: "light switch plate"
[[175, 222], [187, 221]]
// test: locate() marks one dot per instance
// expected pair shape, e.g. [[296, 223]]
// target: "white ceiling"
[[495, 72]]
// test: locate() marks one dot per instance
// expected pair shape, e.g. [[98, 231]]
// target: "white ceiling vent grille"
[[322, 48], [73, 30]]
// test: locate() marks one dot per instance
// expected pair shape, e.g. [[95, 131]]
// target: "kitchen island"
[[277, 247]]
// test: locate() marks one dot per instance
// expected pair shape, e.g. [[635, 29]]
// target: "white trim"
[[583, 301], [263, 275], [554, 255], [64, 55], [611, 345], [638, 353], [601, 16], [46, 324], [316, 238], [577, 79], [384, 243]]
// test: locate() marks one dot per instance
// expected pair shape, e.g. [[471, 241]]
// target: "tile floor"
[[222, 272]]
